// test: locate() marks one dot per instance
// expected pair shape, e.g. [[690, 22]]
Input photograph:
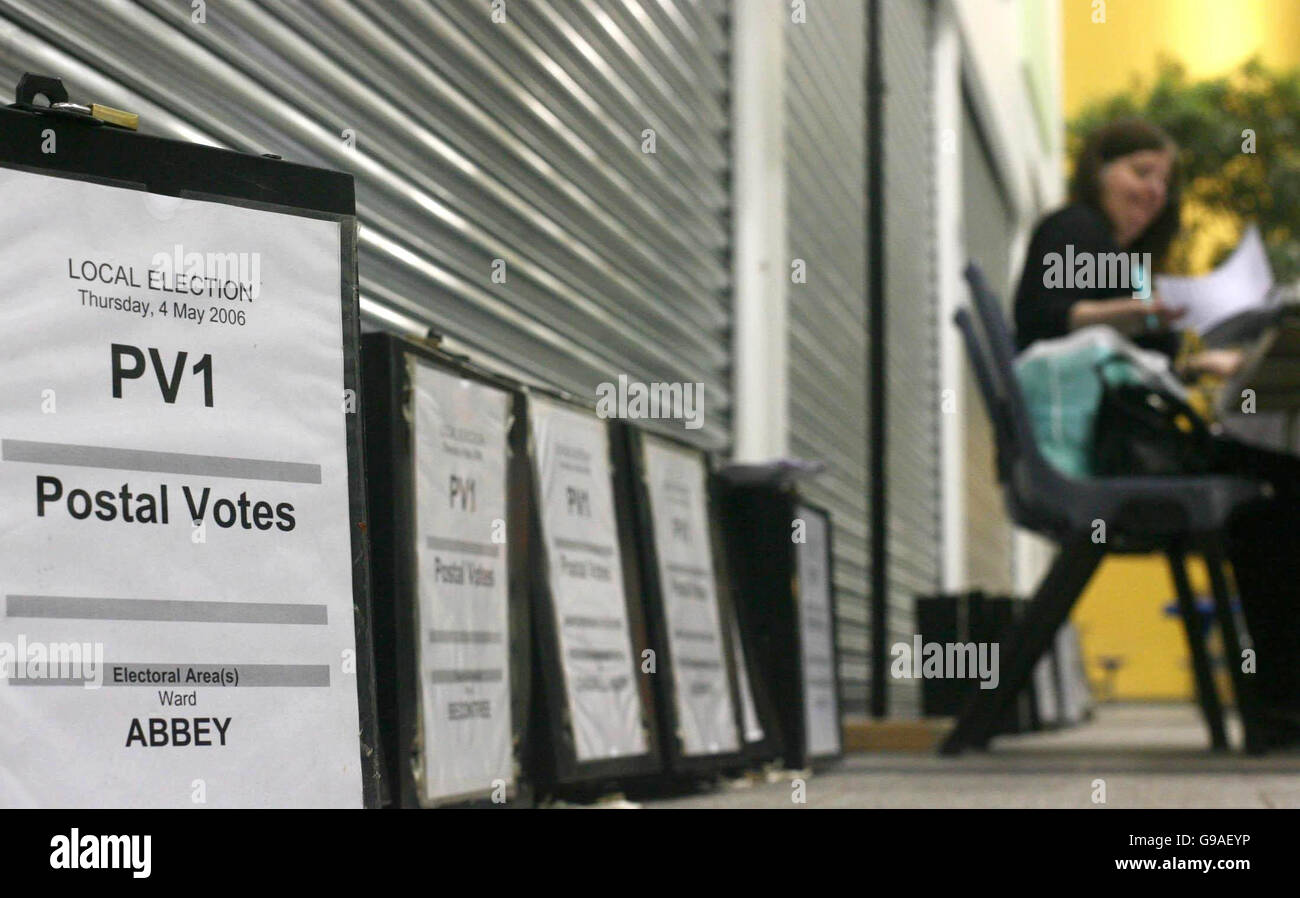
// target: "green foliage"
[[1210, 119]]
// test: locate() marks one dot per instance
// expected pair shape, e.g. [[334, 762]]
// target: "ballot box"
[[966, 626], [447, 484], [595, 714], [709, 717], [779, 551], [182, 519]]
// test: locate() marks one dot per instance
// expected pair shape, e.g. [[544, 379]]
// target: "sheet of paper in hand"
[[1241, 284]]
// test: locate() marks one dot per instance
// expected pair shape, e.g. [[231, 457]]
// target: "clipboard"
[[1271, 369]]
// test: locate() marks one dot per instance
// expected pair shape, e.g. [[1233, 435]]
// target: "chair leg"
[[1208, 696], [1242, 686], [1050, 606]]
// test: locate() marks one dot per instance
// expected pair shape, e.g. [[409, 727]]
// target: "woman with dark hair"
[[1123, 214], [1125, 199]]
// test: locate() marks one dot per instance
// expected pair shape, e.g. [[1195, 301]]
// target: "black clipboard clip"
[[32, 86]]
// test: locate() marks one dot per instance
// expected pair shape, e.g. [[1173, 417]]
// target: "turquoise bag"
[[1061, 383]]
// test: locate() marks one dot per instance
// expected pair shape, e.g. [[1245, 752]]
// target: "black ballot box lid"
[[169, 167]]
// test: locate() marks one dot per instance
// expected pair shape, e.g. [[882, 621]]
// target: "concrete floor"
[[1148, 756]]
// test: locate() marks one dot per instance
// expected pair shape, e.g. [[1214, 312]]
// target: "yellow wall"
[[1208, 36], [1121, 614], [1123, 618]]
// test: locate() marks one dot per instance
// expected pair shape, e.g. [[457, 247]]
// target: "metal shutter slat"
[[473, 144], [826, 209]]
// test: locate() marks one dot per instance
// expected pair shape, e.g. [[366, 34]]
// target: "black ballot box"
[[594, 712], [778, 547], [714, 711], [448, 496], [968, 625], [179, 342]]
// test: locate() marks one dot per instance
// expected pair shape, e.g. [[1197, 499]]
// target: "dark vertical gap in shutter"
[[877, 523], [913, 539]]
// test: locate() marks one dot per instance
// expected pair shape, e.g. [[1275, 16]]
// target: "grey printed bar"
[[603, 623], [597, 654], [687, 569], [202, 676], [465, 637], [578, 545], [489, 675], [158, 462], [694, 635], [83, 608], [465, 547]]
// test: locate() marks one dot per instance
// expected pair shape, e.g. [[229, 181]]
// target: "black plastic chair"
[[1171, 515]]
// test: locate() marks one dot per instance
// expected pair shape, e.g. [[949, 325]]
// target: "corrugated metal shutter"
[[475, 141], [826, 205], [987, 228], [912, 382]]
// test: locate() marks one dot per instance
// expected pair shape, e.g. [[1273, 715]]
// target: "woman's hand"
[[1216, 362], [1130, 317]]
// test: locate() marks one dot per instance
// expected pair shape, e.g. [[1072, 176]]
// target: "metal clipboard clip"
[[32, 86]]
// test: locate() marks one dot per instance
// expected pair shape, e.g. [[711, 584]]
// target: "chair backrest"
[[1003, 351], [1031, 484]]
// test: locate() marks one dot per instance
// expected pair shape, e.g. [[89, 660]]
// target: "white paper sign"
[[1074, 680], [580, 533], [1045, 690], [677, 483], [817, 655], [748, 709], [462, 625], [173, 499]]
